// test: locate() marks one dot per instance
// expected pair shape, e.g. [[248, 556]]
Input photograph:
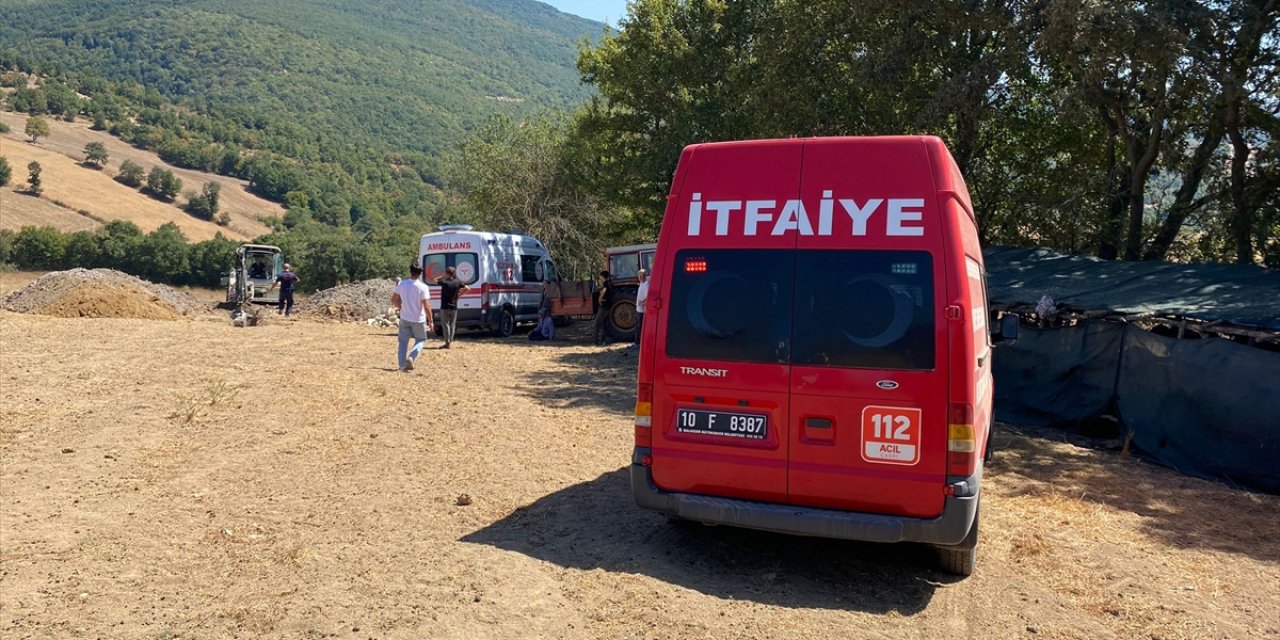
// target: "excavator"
[[253, 270]]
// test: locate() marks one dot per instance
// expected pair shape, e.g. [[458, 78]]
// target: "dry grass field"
[[18, 210], [96, 191], [186, 479]]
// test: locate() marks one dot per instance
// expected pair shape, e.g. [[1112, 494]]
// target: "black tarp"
[[1209, 408], [1237, 294], [1057, 376]]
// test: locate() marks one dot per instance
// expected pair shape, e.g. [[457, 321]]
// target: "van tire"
[[961, 559], [506, 324]]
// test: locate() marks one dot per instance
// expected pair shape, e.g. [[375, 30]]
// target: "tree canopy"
[[1089, 127], [37, 128], [95, 154]]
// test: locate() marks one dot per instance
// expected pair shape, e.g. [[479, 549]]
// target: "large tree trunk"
[[1185, 201], [1241, 223], [1139, 171], [1261, 17], [1143, 152], [1117, 197]]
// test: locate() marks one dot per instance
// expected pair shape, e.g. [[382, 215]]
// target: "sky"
[[601, 10]]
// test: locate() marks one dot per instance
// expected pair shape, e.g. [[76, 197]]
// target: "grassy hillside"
[[318, 78], [79, 198]]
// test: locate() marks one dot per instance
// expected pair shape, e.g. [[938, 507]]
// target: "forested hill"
[[318, 76]]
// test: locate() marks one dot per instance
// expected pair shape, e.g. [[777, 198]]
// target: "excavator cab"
[[253, 270]]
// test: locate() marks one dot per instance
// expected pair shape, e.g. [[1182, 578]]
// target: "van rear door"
[[869, 392], [721, 379]]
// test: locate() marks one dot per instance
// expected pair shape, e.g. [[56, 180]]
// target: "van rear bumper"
[[950, 528]]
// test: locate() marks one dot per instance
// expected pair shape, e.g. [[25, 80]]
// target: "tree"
[[210, 259], [518, 176], [6, 245], [205, 204], [6, 172], [131, 173], [81, 250], [37, 128], [163, 183], [163, 255], [38, 248], [33, 178], [117, 244], [95, 153]]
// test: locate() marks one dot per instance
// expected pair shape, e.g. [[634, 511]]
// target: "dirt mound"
[[109, 301], [102, 293], [355, 302]]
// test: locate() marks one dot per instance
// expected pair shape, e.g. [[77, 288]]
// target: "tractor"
[[576, 298]]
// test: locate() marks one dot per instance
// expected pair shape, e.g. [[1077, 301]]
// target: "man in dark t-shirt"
[[604, 300], [450, 288], [286, 280]]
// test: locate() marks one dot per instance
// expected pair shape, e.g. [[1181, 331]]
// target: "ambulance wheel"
[[506, 324], [962, 558]]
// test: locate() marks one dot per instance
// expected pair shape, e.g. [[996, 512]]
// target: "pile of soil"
[[355, 302], [102, 293]]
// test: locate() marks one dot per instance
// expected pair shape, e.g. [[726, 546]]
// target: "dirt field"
[[97, 192], [185, 479]]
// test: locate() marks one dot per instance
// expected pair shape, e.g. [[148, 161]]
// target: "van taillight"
[[484, 295], [644, 414], [962, 443]]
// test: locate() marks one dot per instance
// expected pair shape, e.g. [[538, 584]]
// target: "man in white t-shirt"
[[413, 299], [642, 296]]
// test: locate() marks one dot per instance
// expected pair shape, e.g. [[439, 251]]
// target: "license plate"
[[752, 426]]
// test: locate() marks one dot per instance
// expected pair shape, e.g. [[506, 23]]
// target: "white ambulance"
[[506, 273]]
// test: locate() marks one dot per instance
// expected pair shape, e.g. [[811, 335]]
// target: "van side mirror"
[[1008, 329]]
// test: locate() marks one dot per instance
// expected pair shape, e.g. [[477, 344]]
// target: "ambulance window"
[[732, 305], [866, 309], [434, 265], [552, 275], [531, 269]]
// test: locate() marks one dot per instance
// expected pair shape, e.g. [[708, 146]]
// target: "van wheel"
[[962, 558], [506, 324]]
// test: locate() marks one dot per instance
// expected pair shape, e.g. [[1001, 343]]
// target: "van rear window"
[[861, 309], [864, 309], [731, 304]]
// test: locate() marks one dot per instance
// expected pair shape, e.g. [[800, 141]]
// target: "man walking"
[[604, 300], [413, 299], [450, 288], [642, 296], [286, 280]]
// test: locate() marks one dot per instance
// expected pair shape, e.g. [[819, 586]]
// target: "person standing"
[[286, 281], [450, 288], [604, 300], [413, 299], [642, 296]]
